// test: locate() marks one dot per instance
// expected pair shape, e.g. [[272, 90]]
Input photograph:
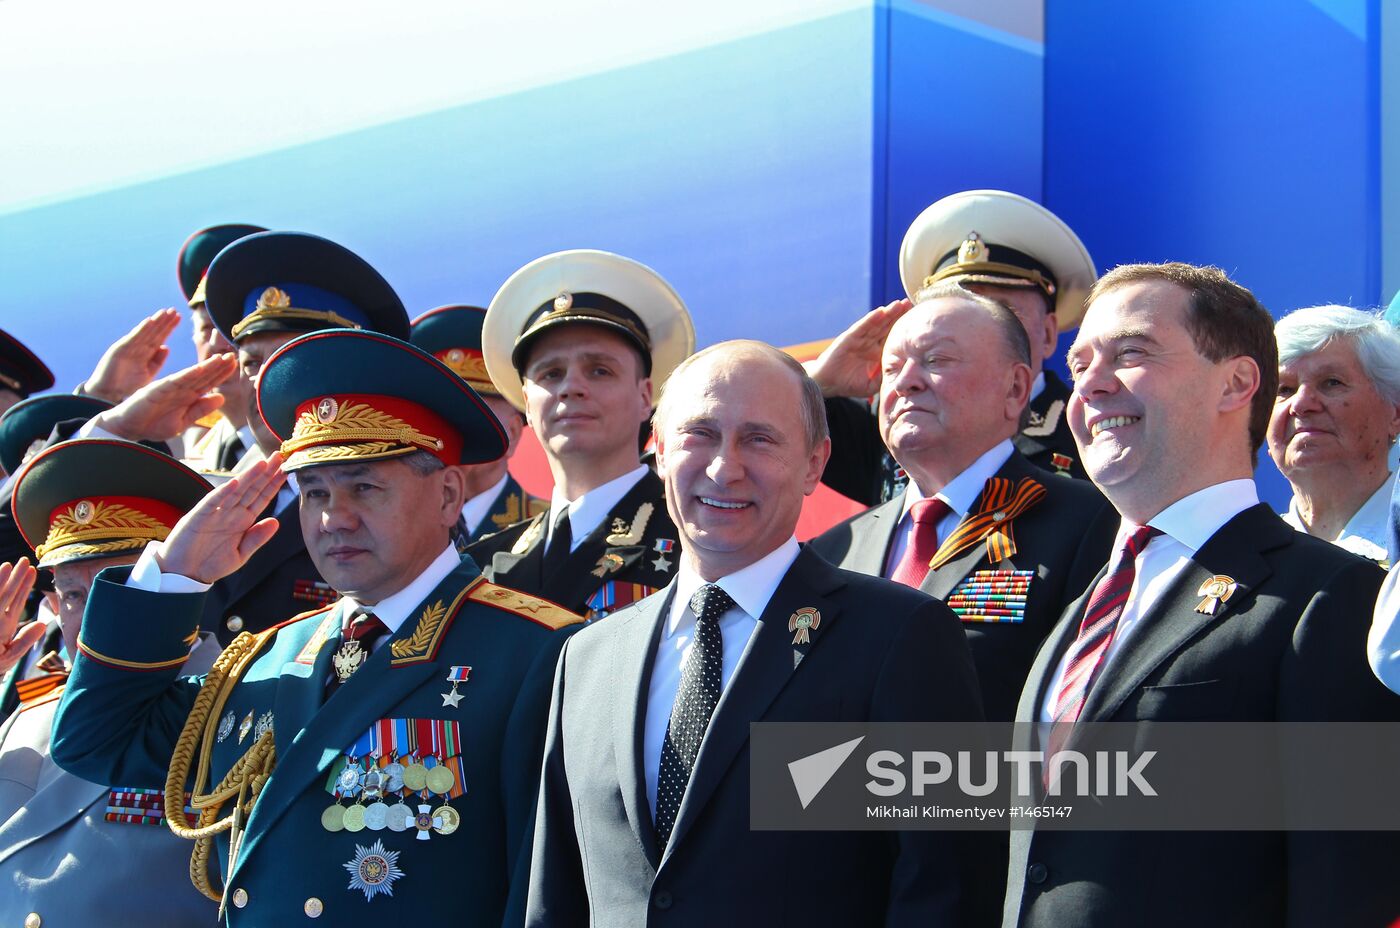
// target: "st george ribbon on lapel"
[[701, 682]]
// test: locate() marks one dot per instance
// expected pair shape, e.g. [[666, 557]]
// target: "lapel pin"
[[607, 564], [226, 725], [802, 622], [455, 675], [1216, 590], [245, 726]]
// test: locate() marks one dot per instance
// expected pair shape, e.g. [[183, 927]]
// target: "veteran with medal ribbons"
[[332, 776], [582, 342], [70, 847]]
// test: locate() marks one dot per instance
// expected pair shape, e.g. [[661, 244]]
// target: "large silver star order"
[[374, 870]]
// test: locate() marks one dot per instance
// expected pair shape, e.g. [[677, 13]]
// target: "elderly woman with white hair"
[[1335, 421]]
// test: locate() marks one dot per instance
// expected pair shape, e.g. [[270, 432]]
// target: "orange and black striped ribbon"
[[35, 687], [999, 496]]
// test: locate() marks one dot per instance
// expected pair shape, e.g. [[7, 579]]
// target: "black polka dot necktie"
[[701, 682]]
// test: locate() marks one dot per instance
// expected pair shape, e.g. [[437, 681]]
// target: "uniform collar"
[[1037, 386], [588, 511], [750, 587], [961, 492], [476, 508], [395, 608]]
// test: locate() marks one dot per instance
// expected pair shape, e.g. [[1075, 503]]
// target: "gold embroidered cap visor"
[[198, 253], [343, 395], [1000, 238], [452, 334], [585, 287], [295, 282], [94, 498]]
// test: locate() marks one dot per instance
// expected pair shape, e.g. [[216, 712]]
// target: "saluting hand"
[[850, 365], [172, 404], [134, 359], [222, 531], [16, 580]]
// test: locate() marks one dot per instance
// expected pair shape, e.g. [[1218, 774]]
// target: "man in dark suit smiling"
[[644, 815]]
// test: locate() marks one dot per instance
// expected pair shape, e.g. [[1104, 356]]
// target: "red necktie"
[[923, 542], [1096, 630]]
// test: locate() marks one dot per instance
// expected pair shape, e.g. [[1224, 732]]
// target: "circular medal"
[[441, 780], [398, 817], [415, 777], [393, 777], [333, 819], [355, 818], [446, 820], [376, 816]]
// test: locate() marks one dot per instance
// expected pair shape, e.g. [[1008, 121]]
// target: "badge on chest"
[[992, 596]]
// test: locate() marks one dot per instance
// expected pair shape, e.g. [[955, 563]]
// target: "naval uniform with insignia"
[[625, 549], [629, 555], [288, 283], [381, 760], [77, 850], [1019, 547], [982, 237]]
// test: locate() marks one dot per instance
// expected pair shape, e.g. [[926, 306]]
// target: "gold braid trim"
[[71, 552], [355, 422], [357, 452], [107, 520], [316, 315], [244, 781]]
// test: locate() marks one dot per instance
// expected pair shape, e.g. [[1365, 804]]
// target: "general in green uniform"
[[375, 761]]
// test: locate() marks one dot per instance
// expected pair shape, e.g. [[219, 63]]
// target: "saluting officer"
[[452, 334], [582, 342], [996, 244], [79, 851], [380, 756]]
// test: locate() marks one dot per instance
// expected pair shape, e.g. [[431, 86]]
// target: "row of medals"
[[378, 783]]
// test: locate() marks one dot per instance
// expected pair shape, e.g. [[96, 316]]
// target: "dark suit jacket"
[[1065, 538], [1289, 645], [600, 576], [862, 469], [882, 652], [278, 582]]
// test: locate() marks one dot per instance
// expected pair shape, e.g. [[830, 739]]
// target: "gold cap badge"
[[972, 250], [273, 298], [326, 410], [563, 301]]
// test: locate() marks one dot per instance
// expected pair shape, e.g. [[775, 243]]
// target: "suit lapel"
[[365, 698], [577, 580], [1234, 552], [767, 665], [940, 583], [872, 535], [635, 655]]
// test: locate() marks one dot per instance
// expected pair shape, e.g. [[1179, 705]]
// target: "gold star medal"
[[802, 622], [1216, 590]]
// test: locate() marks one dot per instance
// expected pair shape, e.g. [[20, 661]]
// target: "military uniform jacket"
[[881, 652], [124, 707], [630, 555], [511, 505], [1288, 645], [279, 581], [1061, 543], [862, 469], [64, 859]]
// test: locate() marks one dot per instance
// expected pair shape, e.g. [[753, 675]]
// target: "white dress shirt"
[[1186, 525], [479, 505], [751, 588], [959, 494], [1037, 386], [588, 511], [1367, 532]]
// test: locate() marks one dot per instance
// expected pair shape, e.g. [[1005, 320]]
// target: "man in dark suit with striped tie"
[[999, 540], [1211, 609], [644, 810]]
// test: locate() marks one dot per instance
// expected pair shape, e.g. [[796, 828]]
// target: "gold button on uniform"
[[32, 920], [240, 897], [314, 908], [234, 623]]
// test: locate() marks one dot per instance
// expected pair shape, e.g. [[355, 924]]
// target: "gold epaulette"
[[540, 611]]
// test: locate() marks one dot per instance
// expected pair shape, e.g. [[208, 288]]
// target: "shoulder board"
[[52, 695], [540, 611]]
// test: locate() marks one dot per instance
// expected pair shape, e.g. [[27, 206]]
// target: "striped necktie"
[[1096, 631]]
